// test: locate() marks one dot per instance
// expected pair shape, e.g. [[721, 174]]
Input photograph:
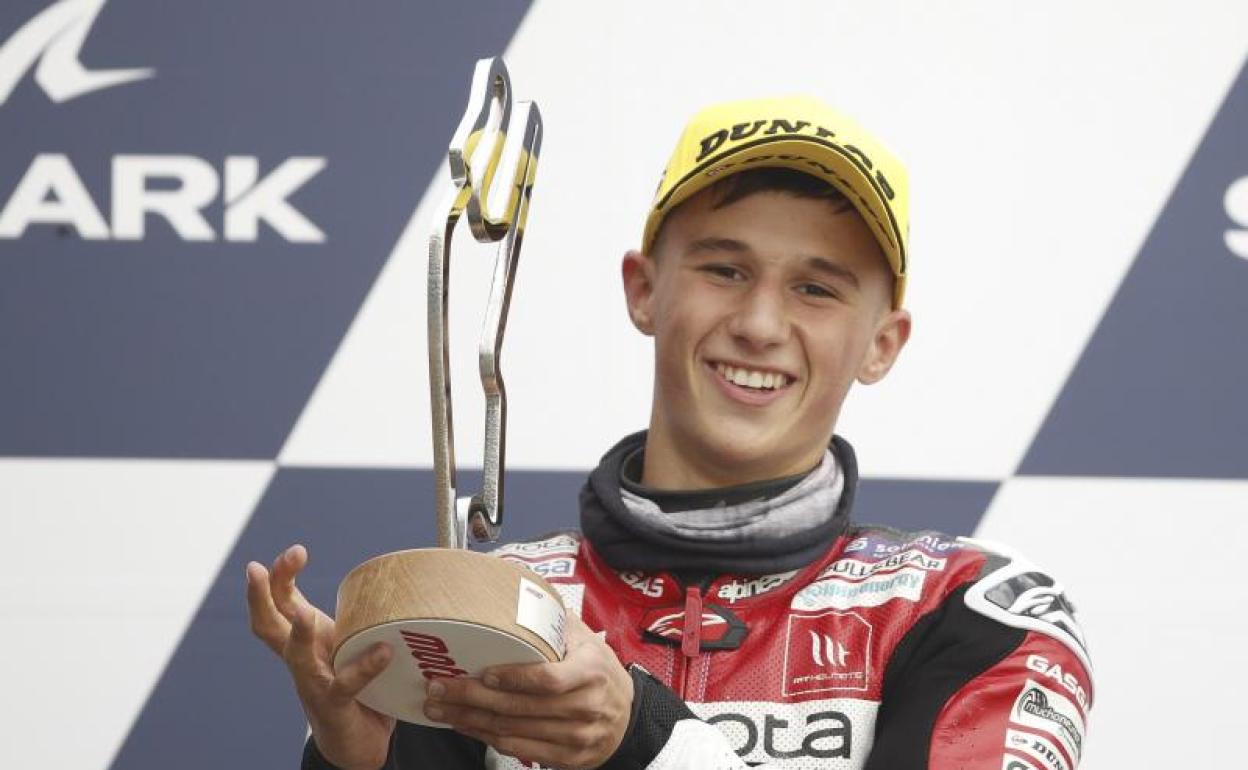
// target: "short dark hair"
[[735, 187], [743, 184]]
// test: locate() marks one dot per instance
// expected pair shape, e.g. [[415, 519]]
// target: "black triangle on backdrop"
[[1162, 387]]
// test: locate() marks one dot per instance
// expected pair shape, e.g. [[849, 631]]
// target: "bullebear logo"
[[54, 39]]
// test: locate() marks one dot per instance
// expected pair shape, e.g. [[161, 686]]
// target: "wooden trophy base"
[[445, 612]]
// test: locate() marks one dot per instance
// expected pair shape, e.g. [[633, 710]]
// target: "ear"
[[891, 334], [638, 272]]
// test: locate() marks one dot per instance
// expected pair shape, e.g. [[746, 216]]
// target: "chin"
[[746, 450]]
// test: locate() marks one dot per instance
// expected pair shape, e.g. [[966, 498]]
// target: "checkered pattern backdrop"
[[211, 321]]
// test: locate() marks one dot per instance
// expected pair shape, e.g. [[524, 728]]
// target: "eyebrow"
[[713, 243], [822, 264], [831, 268]]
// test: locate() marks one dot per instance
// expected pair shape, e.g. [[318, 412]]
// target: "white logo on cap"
[[54, 38]]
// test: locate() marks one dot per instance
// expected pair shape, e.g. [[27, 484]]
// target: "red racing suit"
[[889, 651]]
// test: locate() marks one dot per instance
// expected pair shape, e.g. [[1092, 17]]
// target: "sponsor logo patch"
[[1037, 748], [1039, 708], [876, 547], [645, 584], [1015, 763], [1019, 595], [837, 732], [1068, 681], [906, 584], [857, 569], [828, 651], [560, 544], [745, 589], [431, 655], [720, 628], [560, 566]]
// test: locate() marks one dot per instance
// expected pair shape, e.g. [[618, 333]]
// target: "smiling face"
[[764, 311]]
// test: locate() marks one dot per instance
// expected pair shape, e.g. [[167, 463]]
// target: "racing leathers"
[[836, 646]]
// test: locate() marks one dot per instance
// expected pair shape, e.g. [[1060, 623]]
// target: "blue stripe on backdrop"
[[165, 346], [1159, 390], [225, 701]]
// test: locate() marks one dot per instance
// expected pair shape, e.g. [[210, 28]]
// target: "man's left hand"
[[572, 714]]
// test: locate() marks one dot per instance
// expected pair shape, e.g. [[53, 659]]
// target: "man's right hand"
[[348, 734]]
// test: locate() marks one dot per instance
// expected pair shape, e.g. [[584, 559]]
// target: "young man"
[[744, 620]]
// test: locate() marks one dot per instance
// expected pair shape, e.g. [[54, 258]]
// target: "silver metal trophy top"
[[480, 148]]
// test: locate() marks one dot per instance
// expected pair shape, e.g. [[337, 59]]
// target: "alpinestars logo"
[[54, 39], [1019, 595]]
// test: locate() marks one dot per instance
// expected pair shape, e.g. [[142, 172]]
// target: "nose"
[[760, 320]]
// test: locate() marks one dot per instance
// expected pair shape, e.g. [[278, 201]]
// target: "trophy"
[[449, 611]]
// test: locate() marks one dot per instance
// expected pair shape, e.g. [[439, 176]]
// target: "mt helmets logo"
[[54, 39], [828, 651]]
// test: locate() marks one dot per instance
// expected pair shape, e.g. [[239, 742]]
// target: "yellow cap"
[[793, 132]]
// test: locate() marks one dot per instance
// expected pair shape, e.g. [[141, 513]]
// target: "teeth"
[[752, 379]]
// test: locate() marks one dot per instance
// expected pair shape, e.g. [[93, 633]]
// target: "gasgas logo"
[[172, 188]]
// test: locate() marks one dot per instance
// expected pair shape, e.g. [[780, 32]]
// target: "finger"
[[571, 673], [356, 675], [286, 595], [266, 622], [300, 651], [472, 694]]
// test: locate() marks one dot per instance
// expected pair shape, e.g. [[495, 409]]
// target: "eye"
[[725, 272], [816, 291]]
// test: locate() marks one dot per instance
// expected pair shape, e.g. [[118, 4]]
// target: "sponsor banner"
[[828, 651], [873, 547], [1038, 748], [647, 584], [857, 569], [746, 588], [833, 733], [558, 567], [1040, 708], [560, 544], [840, 594], [1067, 680], [1010, 762]]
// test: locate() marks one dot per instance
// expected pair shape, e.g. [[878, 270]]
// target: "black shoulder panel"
[[941, 653]]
